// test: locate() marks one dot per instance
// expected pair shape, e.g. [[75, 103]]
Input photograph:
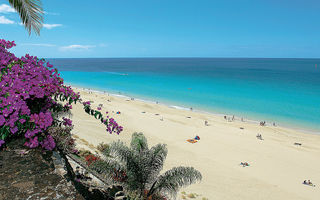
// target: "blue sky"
[[170, 28]]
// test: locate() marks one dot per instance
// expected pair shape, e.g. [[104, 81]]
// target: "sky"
[[169, 28]]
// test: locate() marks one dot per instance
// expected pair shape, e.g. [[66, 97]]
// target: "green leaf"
[[97, 113], [30, 12]]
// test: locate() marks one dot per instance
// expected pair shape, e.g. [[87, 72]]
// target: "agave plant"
[[30, 12], [137, 168]]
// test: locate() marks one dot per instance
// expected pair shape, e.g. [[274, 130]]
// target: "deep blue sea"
[[285, 91]]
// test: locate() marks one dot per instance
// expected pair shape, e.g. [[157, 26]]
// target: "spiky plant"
[[137, 168], [30, 12]]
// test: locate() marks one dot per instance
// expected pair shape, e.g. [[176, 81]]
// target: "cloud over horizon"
[[77, 47], [50, 13], [51, 26]]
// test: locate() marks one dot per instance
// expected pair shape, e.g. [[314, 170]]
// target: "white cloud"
[[4, 20], [51, 26], [50, 13], [4, 8], [40, 45], [76, 47]]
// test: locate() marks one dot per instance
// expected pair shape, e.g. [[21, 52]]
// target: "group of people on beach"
[[308, 183], [229, 119], [244, 164], [263, 123]]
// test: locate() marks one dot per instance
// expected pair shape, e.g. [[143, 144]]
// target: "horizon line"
[[184, 57]]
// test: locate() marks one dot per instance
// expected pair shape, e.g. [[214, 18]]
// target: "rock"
[[31, 176], [120, 196]]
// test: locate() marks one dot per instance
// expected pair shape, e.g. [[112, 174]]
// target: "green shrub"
[[103, 146]]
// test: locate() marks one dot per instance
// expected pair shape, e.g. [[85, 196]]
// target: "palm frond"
[[136, 172], [30, 12], [172, 180], [154, 164], [105, 166], [120, 150], [108, 168], [139, 142]]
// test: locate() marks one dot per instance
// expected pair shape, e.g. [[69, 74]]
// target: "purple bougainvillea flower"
[[14, 130], [2, 120], [1, 142], [30, 89], [48, 143], [67, 122], [87, 103]]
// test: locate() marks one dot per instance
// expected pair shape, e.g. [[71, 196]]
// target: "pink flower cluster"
[[110, 123], [31, 92], [113, 126], [67, 122], [27, 88]]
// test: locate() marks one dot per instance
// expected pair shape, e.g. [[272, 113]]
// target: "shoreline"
[[215, 114], [279, 161]]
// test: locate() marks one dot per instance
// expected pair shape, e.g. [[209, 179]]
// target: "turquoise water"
[[285, 91]]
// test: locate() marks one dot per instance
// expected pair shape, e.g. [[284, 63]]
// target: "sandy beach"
[[277, 166]]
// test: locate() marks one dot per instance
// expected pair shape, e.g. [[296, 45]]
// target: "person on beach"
[[308, 183], [191, 108], [206, 123], [262, 123], [225, 117], [259, 136], [233, 118], [244, 164]]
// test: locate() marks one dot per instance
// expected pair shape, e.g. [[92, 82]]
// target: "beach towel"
[[309, 184], [192, 140]]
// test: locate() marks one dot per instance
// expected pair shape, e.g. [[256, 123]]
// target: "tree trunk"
[[151, 189]]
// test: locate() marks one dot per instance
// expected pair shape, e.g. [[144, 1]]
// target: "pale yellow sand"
[[277, 166]]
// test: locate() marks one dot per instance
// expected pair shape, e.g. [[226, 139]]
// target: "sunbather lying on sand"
[[194, 140], [308, 183], [244, 164]]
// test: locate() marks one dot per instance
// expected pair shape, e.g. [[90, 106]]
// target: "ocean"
[[284, 91]]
